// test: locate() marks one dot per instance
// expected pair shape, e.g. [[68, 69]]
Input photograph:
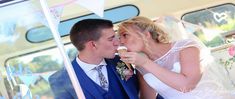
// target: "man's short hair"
[[88, 30]]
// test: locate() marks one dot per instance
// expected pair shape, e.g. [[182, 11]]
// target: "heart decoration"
[[220, 16], [96, 6]]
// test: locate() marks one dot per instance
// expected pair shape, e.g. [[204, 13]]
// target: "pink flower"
[[231, 50]]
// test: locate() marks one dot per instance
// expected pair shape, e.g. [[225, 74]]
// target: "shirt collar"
[[87, 67]]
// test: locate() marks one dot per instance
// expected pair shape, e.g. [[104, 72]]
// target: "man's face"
[[107, 44]]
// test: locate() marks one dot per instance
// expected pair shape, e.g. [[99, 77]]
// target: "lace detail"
[[172, 56], [165, 56], [208, 83]]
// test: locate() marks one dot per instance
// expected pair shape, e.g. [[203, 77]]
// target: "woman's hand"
[[134, 58]]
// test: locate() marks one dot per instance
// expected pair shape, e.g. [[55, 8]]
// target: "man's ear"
[[90, 44]]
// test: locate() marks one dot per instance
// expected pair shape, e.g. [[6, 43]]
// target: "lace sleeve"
[[185, 44], [205, 54]]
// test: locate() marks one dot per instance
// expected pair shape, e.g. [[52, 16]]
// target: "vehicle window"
[[33, 70], [42, 33], [218, 21]]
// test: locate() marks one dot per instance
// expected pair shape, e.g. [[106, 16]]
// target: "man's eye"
[[111, 39]]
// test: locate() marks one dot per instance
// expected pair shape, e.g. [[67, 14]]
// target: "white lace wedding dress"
[[211, 85]]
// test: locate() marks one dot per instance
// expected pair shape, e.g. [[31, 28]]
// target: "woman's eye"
[[125, 35]]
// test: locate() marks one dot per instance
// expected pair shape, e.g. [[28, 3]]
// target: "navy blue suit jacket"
[[63, 89]]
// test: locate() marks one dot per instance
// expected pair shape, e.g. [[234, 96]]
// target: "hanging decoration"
[[96, 6], [28, 79], [55, 14], [7, 31], [46, 76]]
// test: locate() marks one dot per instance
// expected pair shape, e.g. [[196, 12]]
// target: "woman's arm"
[[190, 73]]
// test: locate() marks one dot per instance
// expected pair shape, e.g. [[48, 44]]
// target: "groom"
[[95, 66]]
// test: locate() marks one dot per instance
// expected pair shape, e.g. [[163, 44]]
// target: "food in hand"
[[122, 49]]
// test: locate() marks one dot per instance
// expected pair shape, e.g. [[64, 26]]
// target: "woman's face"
[[130, 38]]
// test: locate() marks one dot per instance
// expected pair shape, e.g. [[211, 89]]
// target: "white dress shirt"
[[91, 72]]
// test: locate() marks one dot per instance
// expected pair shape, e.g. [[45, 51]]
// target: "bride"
[[174, 65]]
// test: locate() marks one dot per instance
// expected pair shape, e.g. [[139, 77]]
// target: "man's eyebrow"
[[111, 37]]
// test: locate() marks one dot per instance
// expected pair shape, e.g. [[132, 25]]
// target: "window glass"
[[33, 70], [24, 76], [42, 33], [217, 29], [218, 21]]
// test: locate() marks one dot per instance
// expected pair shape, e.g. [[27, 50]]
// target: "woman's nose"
[[122, 41]]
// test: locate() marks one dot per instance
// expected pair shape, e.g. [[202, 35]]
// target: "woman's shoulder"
[[185, 43]]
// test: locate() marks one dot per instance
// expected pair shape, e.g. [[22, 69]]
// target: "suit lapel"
[[85, 82], [112, 67]]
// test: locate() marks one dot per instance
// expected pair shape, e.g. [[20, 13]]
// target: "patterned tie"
[[103, 81]]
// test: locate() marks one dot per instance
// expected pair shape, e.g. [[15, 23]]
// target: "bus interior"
[[29, 53]]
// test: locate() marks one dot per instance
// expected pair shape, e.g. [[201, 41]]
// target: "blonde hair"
[[146, 24]]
